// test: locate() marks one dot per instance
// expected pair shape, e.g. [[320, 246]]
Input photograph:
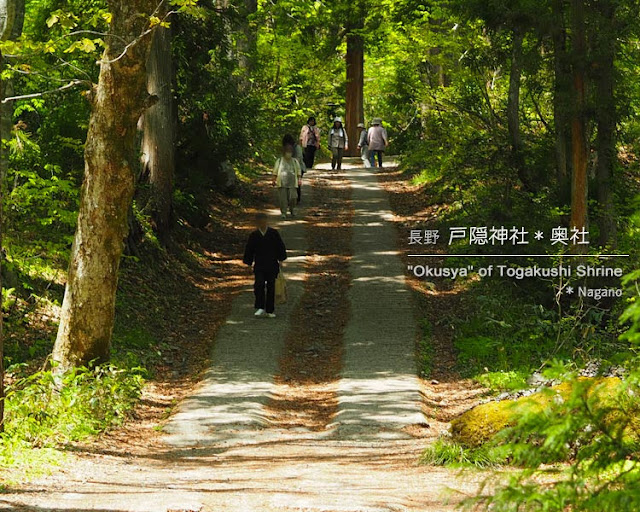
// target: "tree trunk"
[[579, 181], [159, 132], [355, 89], [11, 21], [247, 37], [606, 122], [119, 100], [438, 70], [3, 174], [561, 96], [513, 107]]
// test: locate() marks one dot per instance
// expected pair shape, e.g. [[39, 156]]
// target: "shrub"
[[46, 410]]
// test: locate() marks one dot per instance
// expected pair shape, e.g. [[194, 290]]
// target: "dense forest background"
[[502, 113]]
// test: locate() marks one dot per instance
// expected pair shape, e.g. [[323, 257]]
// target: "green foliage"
[[595, 427], [631, 315], [512, 332], [46, 410], [445, 452], [508, 380], [425, 350], [592, 424]]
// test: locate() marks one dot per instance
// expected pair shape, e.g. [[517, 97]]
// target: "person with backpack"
[[310, 141], [363, 145], [378, 141], [287, 176], [338, 143], [265, 251]]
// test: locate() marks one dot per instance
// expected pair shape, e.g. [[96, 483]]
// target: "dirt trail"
[[222, 453], [379, 393], [228, 405]]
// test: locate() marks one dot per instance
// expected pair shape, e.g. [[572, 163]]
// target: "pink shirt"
[[306, 135]]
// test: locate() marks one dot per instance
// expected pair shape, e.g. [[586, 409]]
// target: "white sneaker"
[[271, 315], [260, 312]]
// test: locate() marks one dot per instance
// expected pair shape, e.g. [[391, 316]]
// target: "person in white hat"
[[363, 145], [378, 141], [338, 143]]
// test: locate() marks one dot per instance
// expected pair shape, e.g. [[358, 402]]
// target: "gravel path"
[[379, 393], [221, 453], [228, 406]]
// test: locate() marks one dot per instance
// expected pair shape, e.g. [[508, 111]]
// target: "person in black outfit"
[[265, 250]]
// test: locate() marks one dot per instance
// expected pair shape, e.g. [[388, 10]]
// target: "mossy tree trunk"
[[119, 100], [11, 21]]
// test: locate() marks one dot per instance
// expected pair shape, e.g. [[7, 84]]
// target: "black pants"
[[336, 160], [309, 156], [373, 154], [265, 290]]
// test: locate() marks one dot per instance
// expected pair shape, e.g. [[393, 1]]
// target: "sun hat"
[[376, 120], [361, 125], [337, 120]]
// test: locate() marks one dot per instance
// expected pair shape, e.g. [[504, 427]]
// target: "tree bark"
[[579, 181], [3, 173], [438, 70], [11, 21], [355, 89], [159, 132], [606, 123], [561, 96], [119, 100], [247, 37], [513, 107]]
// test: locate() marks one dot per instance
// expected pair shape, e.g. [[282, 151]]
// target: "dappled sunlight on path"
[[227, 446], [379, 393]]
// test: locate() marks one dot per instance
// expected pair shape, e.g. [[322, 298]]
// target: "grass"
[[445, 452], [425, 349], [45, 411], [511, 380]]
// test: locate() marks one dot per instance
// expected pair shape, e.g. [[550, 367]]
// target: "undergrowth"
[[46, 411]]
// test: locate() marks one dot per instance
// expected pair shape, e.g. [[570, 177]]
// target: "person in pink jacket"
[[310, 141]]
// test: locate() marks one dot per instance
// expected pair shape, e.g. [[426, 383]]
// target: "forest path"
[[229, 404], [379, 392], [221, 453]]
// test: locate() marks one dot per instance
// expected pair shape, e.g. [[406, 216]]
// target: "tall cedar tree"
[[159, 132], [579, 183]]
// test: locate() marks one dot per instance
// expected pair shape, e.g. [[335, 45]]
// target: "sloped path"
[[221, 454], [228, 406], [379, 393]]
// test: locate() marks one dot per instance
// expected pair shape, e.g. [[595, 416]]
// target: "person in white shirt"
[[338, 143], [287, 175], [378, 141], [363, 145]]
